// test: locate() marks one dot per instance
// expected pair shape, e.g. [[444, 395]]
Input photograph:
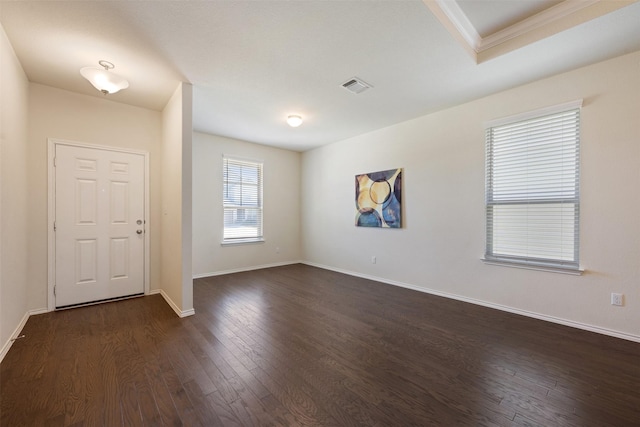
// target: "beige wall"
[[281, 207], [14, 170], [439, 249], [177, 282], [56, 113], [442, 243]]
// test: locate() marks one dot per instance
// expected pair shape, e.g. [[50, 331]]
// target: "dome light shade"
[[104, 80], [294, 121]]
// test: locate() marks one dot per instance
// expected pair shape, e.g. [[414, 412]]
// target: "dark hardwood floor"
[[298, 346]]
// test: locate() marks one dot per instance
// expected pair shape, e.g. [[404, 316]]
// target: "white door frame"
[[51, 261]]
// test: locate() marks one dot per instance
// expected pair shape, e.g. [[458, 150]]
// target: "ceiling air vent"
[[355, 85]]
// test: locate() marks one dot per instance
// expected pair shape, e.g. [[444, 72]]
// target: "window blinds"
[[533, 190], [242, 200]]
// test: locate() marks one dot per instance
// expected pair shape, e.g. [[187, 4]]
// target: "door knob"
[[139, 231]]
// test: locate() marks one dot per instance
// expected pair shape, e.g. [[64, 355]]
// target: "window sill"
[[549, 269], [241, 242]]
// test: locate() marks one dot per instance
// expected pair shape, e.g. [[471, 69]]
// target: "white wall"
[[281, 207], [440, 247], [177, 282], [14, 167], [60, 114]]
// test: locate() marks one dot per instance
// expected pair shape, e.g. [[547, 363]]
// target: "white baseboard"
[[553, 319], [243, 269], [173, 305], [18, 330]]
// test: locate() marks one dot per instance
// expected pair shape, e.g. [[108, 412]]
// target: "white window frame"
[[258, 209], [513, 237]]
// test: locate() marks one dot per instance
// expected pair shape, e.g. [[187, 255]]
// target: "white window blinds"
[[242, 200], [533, 189]]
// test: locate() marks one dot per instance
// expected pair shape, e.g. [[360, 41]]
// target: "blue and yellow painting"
[[379, 199]]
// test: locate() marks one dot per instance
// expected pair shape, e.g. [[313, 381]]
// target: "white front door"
[[99, 224]]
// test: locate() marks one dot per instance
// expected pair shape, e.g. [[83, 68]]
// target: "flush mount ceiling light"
[[104, 80], [294, 120]]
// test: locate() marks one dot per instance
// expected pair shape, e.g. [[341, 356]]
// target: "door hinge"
[[54, 226], [54, 162], [54, 290]]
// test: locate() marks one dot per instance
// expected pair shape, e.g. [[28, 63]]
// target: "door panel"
[[119, 258], [86, 261], [86, 201], [99, 244]]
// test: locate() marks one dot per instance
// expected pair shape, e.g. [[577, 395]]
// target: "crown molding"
[[553, 20], [545, 18], [461, 22]]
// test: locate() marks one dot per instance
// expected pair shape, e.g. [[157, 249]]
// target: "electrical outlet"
[[373, 259], [278, 249], [617, 299]]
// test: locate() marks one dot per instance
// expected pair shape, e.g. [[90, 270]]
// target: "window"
[[533, 189], [242, 200]]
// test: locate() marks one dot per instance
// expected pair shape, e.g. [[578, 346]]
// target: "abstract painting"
[[379, 199]]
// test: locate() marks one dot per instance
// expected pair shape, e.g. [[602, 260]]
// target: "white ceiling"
[[254, 62]]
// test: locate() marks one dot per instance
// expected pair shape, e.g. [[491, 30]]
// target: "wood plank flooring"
[[301, 346]]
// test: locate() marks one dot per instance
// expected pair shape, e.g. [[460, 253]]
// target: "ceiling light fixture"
[[294, 121], [104, 80]]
